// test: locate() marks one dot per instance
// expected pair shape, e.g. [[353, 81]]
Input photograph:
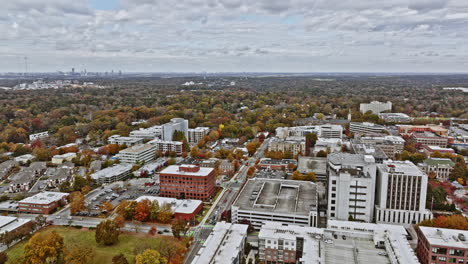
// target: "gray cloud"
[[263, 35]]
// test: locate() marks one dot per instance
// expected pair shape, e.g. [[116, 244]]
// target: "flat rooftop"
[[349, 160], [44, 198], [405, 167], [137, 149], [445, 237], [312, 164], [174, 169], [344, 251], [178, 205], [112, 171], [278, 196], [223, 244]]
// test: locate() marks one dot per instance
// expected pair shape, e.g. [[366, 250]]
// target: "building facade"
[[401, 193], [128, 141], [375, 107], [147, 133], [187, 182], [176, 124], [167, 146], [366, 128], [197, 134], [441, 245], [115, 173], [42, 203], [294, 145], [138, 153], [392, 146], [440, 167], [351, 187]]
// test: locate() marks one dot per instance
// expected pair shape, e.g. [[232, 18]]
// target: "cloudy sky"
[[235, 35]]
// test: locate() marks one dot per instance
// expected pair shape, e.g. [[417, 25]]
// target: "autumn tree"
[[150, 256], [153, 210], [119, 259], [79, 254], [322, 154], [77, 202], [142, 211], [107, 233], [165, 213], [179, 227], [3, 257], [455, 221], [43, 248], [250, 171]]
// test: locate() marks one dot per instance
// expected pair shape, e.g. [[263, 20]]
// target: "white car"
[[328, 241]]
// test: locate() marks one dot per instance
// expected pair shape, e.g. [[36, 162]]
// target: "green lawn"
[[72, 235]]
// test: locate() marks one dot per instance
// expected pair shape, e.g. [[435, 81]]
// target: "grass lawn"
[[73, 235]]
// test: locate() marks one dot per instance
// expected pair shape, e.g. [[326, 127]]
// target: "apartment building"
[[138, 153], [42, 203], [176, 124], [187, 182], [167, 146], [441, 167], [128, 141], [366, 128], [375, 107], [280, 243], [197, 134], [295, 145], [390, 145], [441, 245], [401, 193], [351, 187], [225, 244], [147, 133], [262, 200], [118, 172]]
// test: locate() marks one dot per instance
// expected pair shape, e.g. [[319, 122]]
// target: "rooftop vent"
[[461, 237]]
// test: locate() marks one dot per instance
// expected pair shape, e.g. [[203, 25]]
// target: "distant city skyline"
[[234, 36]]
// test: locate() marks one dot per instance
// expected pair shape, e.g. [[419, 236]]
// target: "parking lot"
[[117, 192]]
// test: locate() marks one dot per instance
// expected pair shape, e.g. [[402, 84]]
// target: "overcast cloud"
[[235, 35]]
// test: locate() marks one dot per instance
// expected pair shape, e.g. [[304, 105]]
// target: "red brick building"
[[42, 203], [441, 245], [187, 182]]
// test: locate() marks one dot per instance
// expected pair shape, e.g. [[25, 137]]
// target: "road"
[[222, 203]]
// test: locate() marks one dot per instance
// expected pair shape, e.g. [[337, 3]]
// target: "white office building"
[[375, 107], [331, 131], [197, 134], [225, 244], [400, 193], [128, 141], [115, 173], [366, 128], [440, 167], [167, 146], [295, 145], [147, 133], [351, 187], [176, 124], [139, 153]]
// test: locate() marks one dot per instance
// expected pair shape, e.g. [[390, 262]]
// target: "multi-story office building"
[[429, 139], [372, 150], [129, 141], [42, 203], [440, 167], [395, 117], [391, 145], [401, 193], [441, 245], [138, 153], [147, 133], [279, 243], [176, 124], [331, 131], [197, 134], [295, 145], [115, 173], [351, 187], [187, 182], [167, 146], [375, 107], [284, 201], [225, 244], [366, 128]]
